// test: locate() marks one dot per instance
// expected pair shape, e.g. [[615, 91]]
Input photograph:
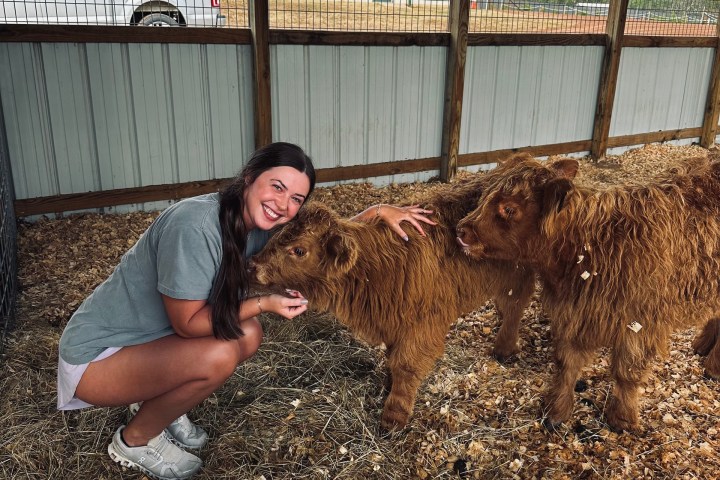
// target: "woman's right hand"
[[288, 307]]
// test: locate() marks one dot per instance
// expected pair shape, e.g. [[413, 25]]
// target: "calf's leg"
[[707, 338], [409, 363], [707, 343], [510, 304], [570, 358], [630, 365], [712, 362]]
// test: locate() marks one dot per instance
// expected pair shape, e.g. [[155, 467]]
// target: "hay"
[[308, 404]]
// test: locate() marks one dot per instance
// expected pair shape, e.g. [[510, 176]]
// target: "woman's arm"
[[193, 318], [393, 216]]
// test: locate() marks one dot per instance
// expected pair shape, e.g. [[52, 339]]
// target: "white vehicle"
[[198, 13]]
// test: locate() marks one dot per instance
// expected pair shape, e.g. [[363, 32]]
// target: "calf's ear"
[[515, 159], [554, 195], [341, 253], [566, 168]]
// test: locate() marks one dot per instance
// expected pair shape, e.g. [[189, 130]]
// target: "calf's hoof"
[[551, 425], [703, 344], [393, 420], [619, 424], [581, 386], [504, 355], [712, 366]]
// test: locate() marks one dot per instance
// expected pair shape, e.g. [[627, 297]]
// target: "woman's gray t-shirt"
[[178, 255]]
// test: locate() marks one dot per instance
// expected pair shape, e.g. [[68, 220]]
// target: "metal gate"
[[8, 242]]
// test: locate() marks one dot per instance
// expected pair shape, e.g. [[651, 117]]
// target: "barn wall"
[[84, 117], [357, 105], [522, 96], [661, 89], [90, 117]]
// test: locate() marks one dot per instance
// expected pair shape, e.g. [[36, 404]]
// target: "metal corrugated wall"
[[661, 89], [523, 96], [88, 117], [360, 105], [92, 117]]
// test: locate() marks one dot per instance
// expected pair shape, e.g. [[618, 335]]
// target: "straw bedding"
[[308, 404]]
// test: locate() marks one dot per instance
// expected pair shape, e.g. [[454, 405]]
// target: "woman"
[[174, 319]]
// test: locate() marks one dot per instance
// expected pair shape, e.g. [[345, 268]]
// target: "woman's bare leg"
[[169, 375]]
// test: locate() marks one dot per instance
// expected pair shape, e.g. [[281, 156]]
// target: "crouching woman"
[[174, 319]]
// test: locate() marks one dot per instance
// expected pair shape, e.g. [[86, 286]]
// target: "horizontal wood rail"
[[152, 193], [656, 41], [191, 35], [535, 39], [392, 39], [122, 34]]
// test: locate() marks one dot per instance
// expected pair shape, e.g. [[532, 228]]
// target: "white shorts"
[[68, 378]]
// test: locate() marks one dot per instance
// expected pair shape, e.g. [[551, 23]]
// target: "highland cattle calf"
[[621, 268], [386, 290]]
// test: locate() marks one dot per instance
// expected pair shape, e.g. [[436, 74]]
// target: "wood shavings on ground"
[[308, 404]]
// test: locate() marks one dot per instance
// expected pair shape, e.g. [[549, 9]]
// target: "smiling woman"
[[175, 318], [204, 13], [176, 313]]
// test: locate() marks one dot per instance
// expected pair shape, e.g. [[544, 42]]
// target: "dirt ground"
[[406, 16], [308, 404]]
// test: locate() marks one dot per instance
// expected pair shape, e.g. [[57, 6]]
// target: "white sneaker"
[[158, 459], [182, 432]]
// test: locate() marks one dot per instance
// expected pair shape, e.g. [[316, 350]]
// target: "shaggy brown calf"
[[620, 268], [386, 290]]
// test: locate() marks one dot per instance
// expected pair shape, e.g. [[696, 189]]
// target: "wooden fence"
[[260, 38]]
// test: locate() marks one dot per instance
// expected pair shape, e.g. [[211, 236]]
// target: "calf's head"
[[508, 223], [314, 247]]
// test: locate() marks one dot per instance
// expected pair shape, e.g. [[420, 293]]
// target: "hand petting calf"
[[405, 294]]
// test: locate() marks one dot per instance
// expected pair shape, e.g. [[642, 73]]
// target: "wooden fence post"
[[260, 29], [712, 105], [459, 17], [615, 31]]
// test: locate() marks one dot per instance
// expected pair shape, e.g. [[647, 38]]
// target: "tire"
[[157, 20]]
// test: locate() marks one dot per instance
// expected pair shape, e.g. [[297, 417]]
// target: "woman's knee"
[[252, 338], [220, 360], [224, 355]]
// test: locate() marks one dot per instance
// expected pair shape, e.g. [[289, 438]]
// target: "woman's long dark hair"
[[232, 281]]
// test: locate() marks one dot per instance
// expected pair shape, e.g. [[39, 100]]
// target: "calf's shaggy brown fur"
[[610, 262], [403, 294]]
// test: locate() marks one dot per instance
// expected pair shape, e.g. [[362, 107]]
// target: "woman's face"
[[275, 197]]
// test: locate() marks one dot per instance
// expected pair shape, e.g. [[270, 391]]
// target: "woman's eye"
[[299, 251], [297, 200], [277, 188]]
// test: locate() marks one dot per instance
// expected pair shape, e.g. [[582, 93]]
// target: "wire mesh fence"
[[696, 18], [8, 245], [506, 16], [644, 17], [360, 15]]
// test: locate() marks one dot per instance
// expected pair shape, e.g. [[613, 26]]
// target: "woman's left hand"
[[414, 214]]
